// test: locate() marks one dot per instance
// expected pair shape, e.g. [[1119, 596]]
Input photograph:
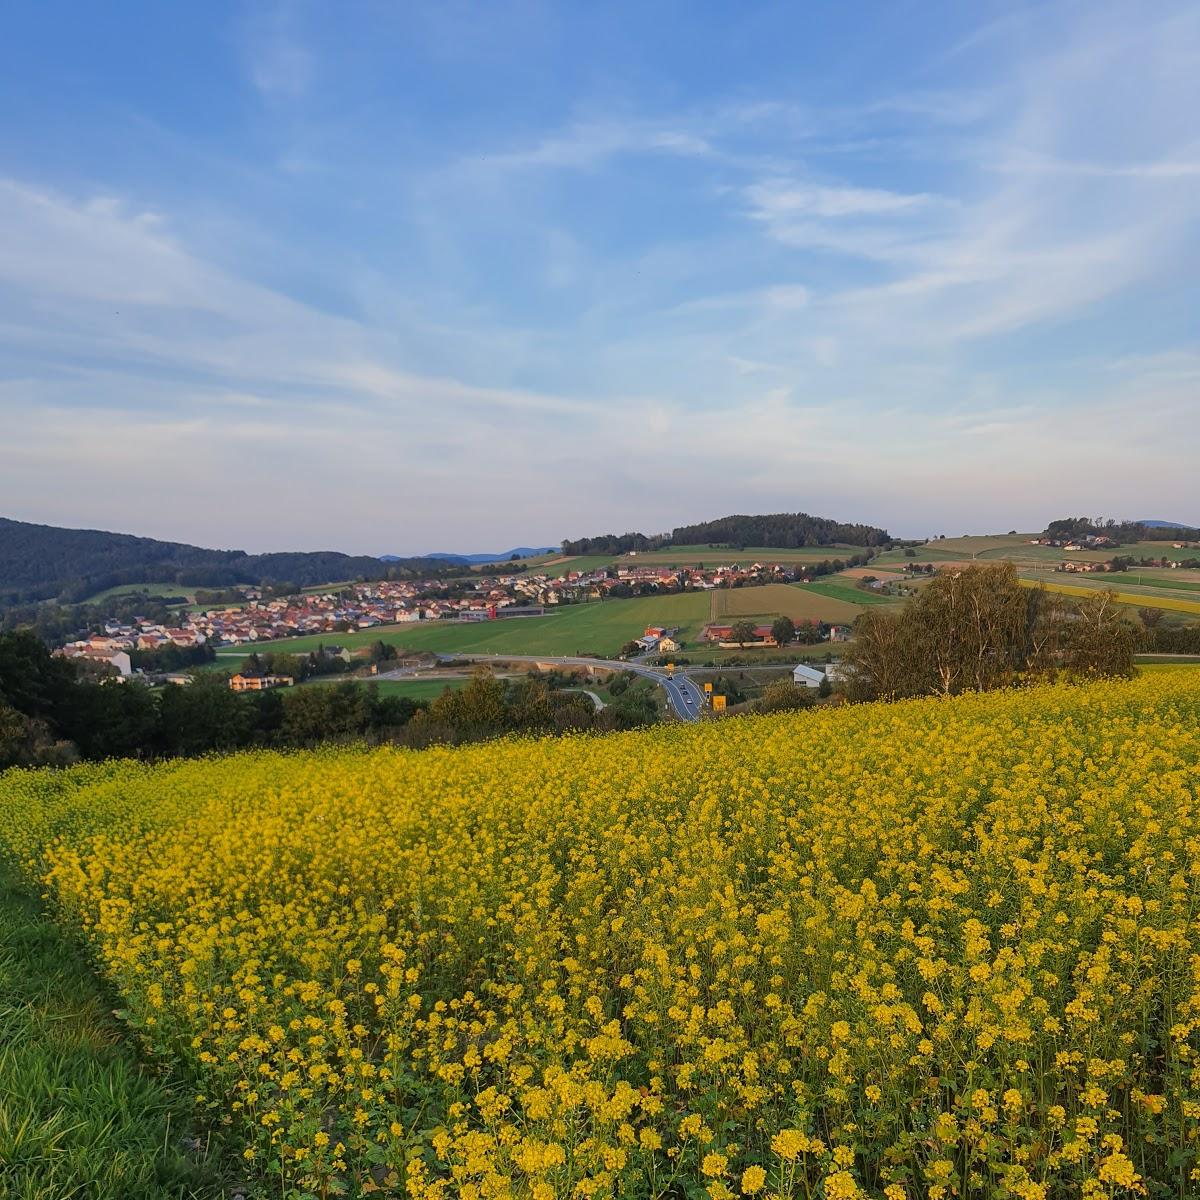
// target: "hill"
[[45, 562], [847, 949], [1121, 532], [784, 531], [484, 557]]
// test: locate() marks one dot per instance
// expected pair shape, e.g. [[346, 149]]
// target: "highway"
[[685, 697]]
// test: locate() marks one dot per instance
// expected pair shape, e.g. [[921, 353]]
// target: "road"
[[685, 697]]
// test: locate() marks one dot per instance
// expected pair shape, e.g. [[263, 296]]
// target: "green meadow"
[[601, 627], [148, 589], [80, 1116], [837, 589]]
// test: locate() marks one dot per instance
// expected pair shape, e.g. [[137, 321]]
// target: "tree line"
[[1168, 639], [53, 714], [1068, 528]]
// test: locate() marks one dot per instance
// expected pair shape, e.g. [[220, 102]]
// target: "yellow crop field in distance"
[[1169, 603], [942, 948]]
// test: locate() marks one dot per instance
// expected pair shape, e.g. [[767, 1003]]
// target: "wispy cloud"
[[1038, 234], [870, 223], [802, 291], [278, 61], [124, 291], [1185, 165], [591, 143], [780, 199]]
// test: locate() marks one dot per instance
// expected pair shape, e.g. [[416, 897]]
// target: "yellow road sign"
[[718, 703], [708, 688]]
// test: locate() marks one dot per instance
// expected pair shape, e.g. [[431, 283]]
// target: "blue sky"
[[397, 277]]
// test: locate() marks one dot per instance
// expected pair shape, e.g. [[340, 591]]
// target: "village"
[[364, 606]]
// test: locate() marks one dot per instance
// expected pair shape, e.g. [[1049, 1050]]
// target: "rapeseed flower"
[[936, 945]]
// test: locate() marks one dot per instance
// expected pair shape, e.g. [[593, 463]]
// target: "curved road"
[[685, 697]]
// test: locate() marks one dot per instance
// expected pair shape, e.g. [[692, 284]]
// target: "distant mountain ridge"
[[1164, 524], [485, 557], [46, 562]]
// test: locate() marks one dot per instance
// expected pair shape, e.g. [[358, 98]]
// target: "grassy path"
[[80, 1118]]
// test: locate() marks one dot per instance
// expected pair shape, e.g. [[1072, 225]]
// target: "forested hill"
[[1121, 531], [44, 562], [784, 530]]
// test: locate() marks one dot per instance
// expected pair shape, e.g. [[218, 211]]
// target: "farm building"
[[723, 635], [809, 677], [259, 683]]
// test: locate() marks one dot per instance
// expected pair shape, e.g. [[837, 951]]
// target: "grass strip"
[[80, 1117]]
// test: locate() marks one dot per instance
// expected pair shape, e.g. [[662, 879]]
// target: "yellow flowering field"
[[1138, 599], [931, 949]]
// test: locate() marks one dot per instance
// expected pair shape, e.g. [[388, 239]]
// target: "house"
[[647, 643], [99, 654], [184, 637], [668, 645], [840, 633], [121, 661], [114, 658], [259, 683], [809, 677]]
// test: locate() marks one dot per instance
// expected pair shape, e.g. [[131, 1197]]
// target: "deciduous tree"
[[742, 632], [783, 630]]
